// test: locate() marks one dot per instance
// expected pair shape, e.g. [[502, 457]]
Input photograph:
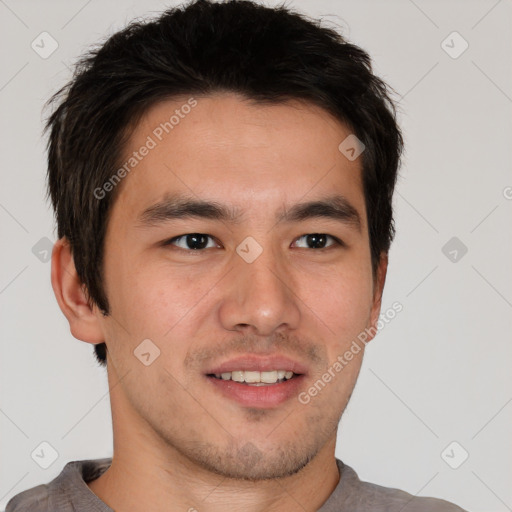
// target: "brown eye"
[[192, 241], [318, 241]]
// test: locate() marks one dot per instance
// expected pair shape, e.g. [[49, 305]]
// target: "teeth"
[[256, 378], [251, 377], [269, 377], [238, 376]]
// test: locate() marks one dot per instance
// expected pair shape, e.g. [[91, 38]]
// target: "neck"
[[136, 483]]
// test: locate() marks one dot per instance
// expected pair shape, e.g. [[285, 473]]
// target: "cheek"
[[157, 302], [342, 302]]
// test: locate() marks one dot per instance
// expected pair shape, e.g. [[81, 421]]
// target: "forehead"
[[225, 146]]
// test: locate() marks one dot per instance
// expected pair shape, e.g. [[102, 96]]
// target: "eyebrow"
[[335, 207]]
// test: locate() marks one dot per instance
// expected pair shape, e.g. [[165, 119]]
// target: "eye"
[[318, 241], [192, 241]]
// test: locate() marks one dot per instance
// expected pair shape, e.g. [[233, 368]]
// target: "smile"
[[255, 378]]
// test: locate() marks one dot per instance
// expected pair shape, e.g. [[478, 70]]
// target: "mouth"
[[257, 381]]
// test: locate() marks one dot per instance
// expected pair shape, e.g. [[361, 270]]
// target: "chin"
[[248, 462]]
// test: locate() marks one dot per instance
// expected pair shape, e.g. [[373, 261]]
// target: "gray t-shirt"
[[68, 492]]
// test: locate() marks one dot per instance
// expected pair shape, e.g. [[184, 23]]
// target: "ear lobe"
[[71, 296], [378, 289]]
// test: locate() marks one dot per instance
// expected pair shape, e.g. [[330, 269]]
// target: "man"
[[222, 179]]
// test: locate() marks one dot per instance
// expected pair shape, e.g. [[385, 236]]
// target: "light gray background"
[[439, 372]]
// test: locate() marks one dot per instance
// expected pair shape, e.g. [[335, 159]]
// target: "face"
[[238, 245]]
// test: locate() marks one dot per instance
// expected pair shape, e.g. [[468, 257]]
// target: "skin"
[[178, 443]]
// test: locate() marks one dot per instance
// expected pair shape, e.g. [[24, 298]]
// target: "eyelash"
[[336, 242]]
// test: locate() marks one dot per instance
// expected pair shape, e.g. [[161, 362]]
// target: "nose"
[[260, 297]]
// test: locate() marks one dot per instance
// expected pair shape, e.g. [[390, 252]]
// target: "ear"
[[378, 288], [70, 293]]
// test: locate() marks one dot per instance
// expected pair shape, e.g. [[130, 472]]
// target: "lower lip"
[[261, 397]]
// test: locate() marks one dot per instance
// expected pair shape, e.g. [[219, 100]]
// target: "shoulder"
[[354, 495], [386, 499], [64, 491], [34, 499]]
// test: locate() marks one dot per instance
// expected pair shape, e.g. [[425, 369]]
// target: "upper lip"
[[259, 363]]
